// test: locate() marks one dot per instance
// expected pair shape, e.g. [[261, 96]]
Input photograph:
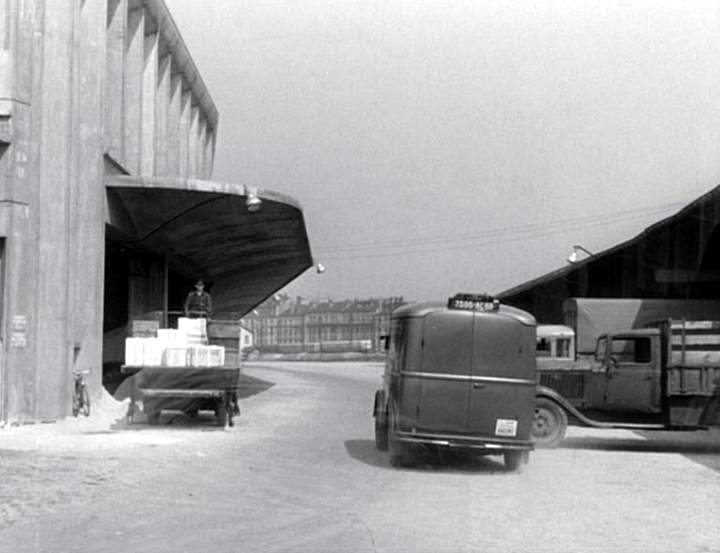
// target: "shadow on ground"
[[174, 416], [702, 447], [427, 459]]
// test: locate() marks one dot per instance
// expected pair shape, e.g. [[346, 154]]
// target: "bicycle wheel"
[[75, 403], [84, 401]]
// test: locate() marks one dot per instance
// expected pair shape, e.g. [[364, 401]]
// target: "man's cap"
[[199, 283]]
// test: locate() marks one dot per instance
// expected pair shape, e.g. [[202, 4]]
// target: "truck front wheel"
[[549, 423]]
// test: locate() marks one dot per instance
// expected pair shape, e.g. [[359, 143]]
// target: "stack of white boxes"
[[185, 346], [194, 329], [143, 351], [207, 356], [174, 346]]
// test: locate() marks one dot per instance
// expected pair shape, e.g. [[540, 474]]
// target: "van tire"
[[397, 449], [549, 423], [381, 433], [397, 461], [222, 414]]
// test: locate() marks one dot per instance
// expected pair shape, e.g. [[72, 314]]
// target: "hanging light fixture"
[[253, 201], [573, 257]]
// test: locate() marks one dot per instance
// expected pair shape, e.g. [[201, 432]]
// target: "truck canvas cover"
[[592, 317]]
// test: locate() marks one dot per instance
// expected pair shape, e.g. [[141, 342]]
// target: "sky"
[[462, 145]]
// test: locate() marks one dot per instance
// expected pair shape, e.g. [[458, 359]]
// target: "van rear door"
[[446, 363], [502, 387]]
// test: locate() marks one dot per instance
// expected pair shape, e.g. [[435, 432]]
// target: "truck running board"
[[551, 394]]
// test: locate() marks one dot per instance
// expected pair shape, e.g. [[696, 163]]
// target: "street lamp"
[[573, 257]]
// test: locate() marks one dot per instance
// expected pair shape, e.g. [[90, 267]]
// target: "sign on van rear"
[[506, 427]]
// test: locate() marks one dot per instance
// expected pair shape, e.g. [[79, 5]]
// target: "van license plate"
[[506, 427]]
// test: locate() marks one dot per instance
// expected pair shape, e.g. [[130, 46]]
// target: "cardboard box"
[[207, 356], [172, 338], [152, 352], [134, 351], [144, 328], [176, 357]]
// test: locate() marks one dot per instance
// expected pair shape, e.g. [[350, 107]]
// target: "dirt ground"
[[299, 472]]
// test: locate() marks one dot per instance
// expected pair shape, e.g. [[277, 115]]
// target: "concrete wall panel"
[[162, 108], [51, 215], [184, 134], [133, 89], [114, 89], [87, 239], [172, 143]]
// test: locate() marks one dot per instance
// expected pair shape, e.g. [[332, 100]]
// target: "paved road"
[[300, 473]]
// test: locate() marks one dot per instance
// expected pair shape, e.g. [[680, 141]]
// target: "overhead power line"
[[502, 235]]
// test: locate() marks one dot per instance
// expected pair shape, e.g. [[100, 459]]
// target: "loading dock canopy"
[[205, 229]]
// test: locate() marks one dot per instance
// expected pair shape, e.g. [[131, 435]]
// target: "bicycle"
[[81, 398]]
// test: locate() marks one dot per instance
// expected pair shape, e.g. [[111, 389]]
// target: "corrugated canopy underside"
[[204, 229]]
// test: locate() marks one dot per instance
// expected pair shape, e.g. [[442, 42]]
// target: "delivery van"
[[458, 375]]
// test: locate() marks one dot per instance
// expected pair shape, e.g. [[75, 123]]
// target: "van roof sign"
[[473, 302]]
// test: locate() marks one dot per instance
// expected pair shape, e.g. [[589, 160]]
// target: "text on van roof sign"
[[473, 302]]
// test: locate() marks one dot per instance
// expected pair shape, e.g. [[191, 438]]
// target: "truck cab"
[[459, 375], [627, 374]]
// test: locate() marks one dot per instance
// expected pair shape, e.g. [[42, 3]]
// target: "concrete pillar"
[[156, 285], [174, 137], [114, 86], [19, 173], [209, 153], [200, 172], [149, 94], [184, 133], [87, 231], [53, 101], [133, 89], [162, 107], [193, 139]]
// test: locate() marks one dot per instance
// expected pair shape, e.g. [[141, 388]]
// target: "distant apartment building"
[[284, 325]]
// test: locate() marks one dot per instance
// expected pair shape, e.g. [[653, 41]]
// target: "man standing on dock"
[[198, 302]]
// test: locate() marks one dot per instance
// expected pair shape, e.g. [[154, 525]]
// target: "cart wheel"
[[516, 460], [221, 413]]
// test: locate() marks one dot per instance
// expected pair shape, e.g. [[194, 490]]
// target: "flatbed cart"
[[187, 389]]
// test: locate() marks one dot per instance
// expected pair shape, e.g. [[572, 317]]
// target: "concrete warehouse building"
[[107, 139]]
